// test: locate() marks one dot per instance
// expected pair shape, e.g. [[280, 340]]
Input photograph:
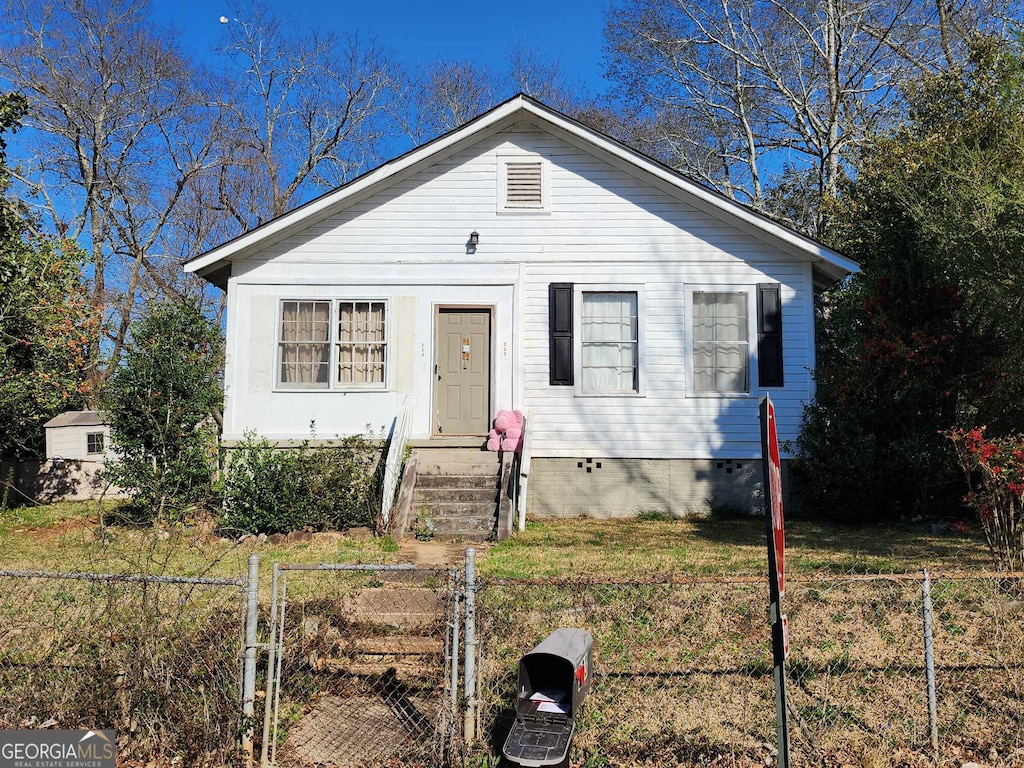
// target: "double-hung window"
[[609, 343], [326, 344], [721, 342]]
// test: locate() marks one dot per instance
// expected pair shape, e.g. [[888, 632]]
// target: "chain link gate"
[[362, 666]]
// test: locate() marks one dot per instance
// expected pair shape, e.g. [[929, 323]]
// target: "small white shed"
[[79, 436]]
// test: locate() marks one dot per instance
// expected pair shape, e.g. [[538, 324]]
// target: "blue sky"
[[420, 31]]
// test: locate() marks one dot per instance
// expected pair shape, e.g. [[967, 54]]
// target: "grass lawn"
[[67, 537], [702, 546]]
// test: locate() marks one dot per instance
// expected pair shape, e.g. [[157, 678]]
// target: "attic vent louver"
[[524, 188]]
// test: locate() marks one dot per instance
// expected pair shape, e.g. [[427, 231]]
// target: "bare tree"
[[532, 71], [118, 131], [443, 96], [742, 92], [308, 111], [449, 93]]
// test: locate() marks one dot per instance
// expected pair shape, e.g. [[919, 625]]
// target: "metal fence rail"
[[683, 667], [362, 660], [156, 658]]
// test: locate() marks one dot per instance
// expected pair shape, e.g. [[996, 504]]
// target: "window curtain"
[[720, 342], [305, 333], [609, 342], [361, 347]]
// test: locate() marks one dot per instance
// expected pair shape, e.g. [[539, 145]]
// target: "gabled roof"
[[828, 264]]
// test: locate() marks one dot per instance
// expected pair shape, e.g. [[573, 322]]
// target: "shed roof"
[[76, 419]]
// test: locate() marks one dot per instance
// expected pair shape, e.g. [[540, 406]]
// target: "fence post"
[[469, 668], [929, 662], [271, 676], [456, 617], [249, 668]]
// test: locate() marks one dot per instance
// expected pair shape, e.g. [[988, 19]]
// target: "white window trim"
[[751, 294], [545, 184], [332, 361], [577, 336]]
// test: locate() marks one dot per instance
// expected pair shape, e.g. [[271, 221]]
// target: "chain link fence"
[[365, 666], [157, 659], [683, 668], [859, 678], [362, 661]]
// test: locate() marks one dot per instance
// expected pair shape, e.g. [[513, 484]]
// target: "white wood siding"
[[407, 243], [254, 402]]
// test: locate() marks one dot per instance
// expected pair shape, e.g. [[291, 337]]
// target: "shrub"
[[163, 400], [276, 490], [994, 468]]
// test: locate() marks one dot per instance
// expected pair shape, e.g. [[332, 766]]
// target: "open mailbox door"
[[554, 678]]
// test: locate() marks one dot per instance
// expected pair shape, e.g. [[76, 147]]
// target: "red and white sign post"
[[776, 569]]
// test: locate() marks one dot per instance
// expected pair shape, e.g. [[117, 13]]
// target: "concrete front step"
[[466, 524], [409, 669], [464, 538], [489, 481], [400, 606], [431, 496], [456, 455], [462, 468], [457, 509], [394, 645]]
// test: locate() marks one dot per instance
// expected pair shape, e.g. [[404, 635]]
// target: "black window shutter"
[[560, 333], [769, 335]]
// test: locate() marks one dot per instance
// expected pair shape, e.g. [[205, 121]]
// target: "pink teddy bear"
[[507, 434]]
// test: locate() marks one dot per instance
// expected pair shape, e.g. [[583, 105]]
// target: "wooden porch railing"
[[394, 460]]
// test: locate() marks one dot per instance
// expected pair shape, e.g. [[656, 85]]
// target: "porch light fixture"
[[474, 241]]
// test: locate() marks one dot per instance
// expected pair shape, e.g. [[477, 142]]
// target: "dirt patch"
[[52, 533], [355, 731], [429, 554]]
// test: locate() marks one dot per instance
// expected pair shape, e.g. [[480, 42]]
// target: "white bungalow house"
[[525, 261]]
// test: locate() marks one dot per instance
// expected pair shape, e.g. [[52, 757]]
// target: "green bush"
[[163, 400], [277, 490]]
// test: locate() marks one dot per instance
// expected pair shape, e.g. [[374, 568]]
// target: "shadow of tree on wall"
[[34, 481]]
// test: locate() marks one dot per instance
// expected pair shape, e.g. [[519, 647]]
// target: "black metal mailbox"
[[554, 678]]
